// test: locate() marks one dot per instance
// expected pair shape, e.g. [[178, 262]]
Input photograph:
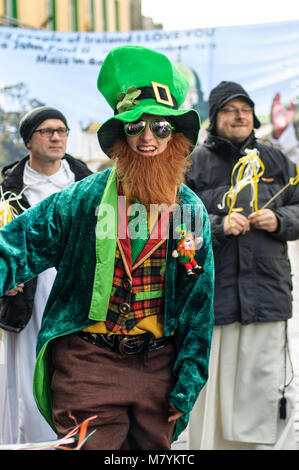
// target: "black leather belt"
[[134, 344]]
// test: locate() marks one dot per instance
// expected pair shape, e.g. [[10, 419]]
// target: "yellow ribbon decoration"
[[250, 168], [7, 211], [292, 182], [295, 179]]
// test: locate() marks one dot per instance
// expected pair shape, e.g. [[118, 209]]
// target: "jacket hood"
[[222, 94]]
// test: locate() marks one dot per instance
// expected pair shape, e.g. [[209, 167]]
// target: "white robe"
[[20, 419], [238, 409]]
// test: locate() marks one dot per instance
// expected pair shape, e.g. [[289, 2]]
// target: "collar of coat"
[[13, 176], [227, 148]]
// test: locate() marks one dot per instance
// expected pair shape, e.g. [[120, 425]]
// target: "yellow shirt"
[[153, 324]]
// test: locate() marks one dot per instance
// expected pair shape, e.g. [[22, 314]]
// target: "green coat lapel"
[[105, 246]]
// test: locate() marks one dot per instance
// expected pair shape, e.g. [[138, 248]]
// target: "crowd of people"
[[153, 296]]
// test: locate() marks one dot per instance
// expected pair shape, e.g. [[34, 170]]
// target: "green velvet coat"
[[62, 231]]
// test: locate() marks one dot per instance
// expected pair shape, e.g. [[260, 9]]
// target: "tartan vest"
[[139, 295]]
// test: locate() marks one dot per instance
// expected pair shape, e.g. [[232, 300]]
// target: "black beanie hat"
[[221, 94], [34, 118]]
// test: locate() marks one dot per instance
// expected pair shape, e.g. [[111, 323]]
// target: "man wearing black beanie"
[[222, 94], [46, 169], [37, 116], [249, 400]]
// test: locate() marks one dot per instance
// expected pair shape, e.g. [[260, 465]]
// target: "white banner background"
[[61, 69]]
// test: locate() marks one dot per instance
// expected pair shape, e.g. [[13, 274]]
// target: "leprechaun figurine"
[[125, 335], [185, 252]]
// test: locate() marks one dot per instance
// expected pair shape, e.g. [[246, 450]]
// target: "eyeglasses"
[[160, 129], [48, 132], [231, 110]]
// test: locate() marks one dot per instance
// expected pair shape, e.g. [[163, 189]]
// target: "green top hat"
[[135, 80]]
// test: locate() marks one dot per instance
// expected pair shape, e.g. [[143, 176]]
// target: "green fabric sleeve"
[[194, 331], [29, 244]]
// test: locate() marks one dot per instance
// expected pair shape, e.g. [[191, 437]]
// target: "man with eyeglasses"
[[249, 400], [125, 336], [46, 170]]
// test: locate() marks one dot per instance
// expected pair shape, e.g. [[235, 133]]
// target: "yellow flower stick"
[[292, 182], [250, 169]]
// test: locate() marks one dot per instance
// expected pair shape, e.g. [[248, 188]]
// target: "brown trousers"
[[129, 395]]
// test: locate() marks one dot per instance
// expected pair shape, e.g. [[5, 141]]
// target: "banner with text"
[[60, 69]]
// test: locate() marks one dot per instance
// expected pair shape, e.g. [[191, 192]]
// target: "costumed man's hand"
[[265, 220], [15, 291], [238, 224], [174, 413], [280, 116]]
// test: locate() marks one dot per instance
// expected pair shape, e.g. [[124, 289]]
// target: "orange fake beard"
[[181, 250], [152, 180]]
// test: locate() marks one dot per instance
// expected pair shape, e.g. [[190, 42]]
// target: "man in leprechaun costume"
[[125, 334]]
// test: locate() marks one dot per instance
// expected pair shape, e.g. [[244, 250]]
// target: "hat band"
[[158, 94]]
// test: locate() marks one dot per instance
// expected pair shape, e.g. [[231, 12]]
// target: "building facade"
[[75, 15]]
